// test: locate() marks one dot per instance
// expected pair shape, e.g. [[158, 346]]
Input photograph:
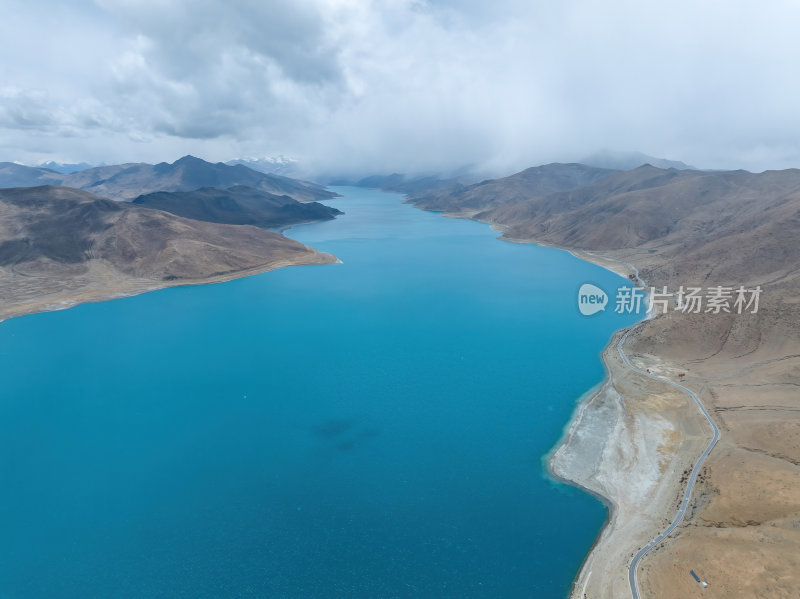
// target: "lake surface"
[[372, 429]]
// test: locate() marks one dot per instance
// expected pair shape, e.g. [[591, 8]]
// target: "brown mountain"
[[238, 205], [128, 181], [60, 246], [737, 225], [18, 175], [533, 182]]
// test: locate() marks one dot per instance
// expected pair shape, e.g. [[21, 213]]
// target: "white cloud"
[[401, 84]]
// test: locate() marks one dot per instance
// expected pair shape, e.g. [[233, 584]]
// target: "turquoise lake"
[[372, 429]]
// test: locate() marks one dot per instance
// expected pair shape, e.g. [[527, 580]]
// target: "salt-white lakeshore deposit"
[[629, 443]]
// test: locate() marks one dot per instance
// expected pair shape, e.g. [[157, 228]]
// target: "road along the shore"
[[633, 568]]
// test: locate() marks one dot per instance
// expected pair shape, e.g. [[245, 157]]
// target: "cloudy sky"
[[387, 85]]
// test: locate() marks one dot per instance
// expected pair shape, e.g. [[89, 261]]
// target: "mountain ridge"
[[130, 180], [238, 205], [625, 161], [531, 182]]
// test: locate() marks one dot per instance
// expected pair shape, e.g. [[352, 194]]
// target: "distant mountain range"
[[402, 183], [535, 181], [549, 177], [67, 168], [272, 165], [625, 161], [128, 181], [19, 175]]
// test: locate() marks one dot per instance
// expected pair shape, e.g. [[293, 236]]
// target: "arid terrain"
[[61, 246], [635, 440]]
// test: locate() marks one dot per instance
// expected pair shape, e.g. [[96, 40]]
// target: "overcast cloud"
[[371, 86]]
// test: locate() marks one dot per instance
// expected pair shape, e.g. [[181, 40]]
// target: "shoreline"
[[130, 287], [581, 405]]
